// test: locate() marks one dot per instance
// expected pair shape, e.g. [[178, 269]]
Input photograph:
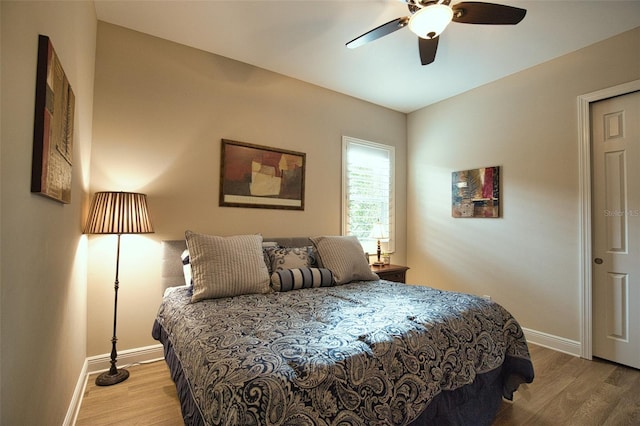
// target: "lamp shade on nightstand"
[[378, 233]]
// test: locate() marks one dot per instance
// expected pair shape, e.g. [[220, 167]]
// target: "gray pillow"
[[226, 266], [344, 257]]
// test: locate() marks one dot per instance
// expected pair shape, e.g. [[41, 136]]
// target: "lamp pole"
[[114, 375]]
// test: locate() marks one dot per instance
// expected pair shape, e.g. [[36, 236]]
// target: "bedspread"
[[365, 353]]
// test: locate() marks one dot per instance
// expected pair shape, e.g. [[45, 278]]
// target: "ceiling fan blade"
[[381, 31], [428, 48], [487, 13]]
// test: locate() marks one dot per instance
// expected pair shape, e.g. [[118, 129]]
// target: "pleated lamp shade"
[[118, 213]]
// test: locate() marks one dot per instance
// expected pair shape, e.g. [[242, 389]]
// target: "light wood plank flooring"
[[147, 397], [566, 391]]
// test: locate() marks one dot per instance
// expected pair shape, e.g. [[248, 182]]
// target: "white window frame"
[[368, 243]]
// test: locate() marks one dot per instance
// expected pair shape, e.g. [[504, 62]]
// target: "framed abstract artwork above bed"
[[261, 176], [476, 193]]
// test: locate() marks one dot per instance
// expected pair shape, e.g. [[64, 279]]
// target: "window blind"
[[368, 191]]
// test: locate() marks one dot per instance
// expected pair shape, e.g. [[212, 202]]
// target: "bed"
[[337, 351]]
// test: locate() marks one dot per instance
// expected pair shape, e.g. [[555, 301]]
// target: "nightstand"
[[395, 273]]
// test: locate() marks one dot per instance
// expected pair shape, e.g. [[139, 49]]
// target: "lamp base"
[[107, 379]]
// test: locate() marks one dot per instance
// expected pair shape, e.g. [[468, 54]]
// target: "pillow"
[[297, 278], [226, 266], [288, 258], [313, 257], [186, 267], [266, 247], [344, 256]]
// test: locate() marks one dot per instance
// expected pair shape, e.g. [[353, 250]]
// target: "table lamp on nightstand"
[[378, 233], [117, 213]]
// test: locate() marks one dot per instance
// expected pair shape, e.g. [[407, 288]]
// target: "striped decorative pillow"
[[226, 266], [344, 256], [297, 278]]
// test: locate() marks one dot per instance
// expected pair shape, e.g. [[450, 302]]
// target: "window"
[[368, 191]]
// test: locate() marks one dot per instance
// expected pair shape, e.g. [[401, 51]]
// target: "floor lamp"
[[117, 213]]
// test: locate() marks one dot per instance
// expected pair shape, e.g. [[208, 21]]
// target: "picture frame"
[[257, 176], [52, 157], [476, 193]]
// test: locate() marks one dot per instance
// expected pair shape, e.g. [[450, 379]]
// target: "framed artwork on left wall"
[[52, 158]]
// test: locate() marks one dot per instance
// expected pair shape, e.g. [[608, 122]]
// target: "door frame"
[[584, 217]]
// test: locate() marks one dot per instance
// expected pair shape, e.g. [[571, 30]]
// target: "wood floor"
[[147, 397], [566, 391]]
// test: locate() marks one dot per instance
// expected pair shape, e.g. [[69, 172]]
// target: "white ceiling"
[[305, 39]]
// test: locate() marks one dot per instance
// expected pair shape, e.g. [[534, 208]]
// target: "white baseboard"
[[76, 400], [126, 358], [556, 343]]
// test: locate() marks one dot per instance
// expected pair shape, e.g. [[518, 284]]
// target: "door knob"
[[598, 260]]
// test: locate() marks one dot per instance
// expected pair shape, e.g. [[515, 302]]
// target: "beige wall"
[[44, 255], [159, 114], [527, 124]]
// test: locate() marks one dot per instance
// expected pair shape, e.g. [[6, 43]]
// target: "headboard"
[[172, 274]]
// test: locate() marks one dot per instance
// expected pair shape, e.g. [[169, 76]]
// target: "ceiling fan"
[[430, 17]]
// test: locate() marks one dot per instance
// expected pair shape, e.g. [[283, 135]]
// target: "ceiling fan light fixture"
[[430, 21]]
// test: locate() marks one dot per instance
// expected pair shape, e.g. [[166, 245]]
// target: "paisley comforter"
[[365, 353]]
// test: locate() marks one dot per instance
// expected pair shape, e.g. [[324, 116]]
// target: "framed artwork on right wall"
[[476, 193]]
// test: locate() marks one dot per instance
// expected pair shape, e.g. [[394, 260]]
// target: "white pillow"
[[186, 267], [344, 257], [226, 266]]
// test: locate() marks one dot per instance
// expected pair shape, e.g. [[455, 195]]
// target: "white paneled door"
[[615, 139]]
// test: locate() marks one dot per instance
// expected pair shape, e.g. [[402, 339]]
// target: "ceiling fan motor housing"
[[431, 20]]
